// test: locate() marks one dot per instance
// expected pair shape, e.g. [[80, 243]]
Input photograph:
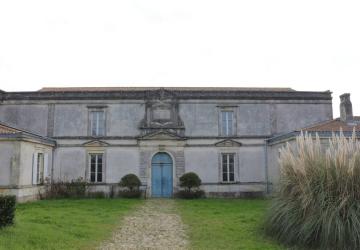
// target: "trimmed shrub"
[[132, 184], [318, 201], [130, 181], [63, 189], [191, 183], [190, 180], [7, 210]]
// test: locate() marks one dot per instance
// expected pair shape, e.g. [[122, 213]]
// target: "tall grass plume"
[[317, 204]]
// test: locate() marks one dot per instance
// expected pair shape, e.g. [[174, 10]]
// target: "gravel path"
[[155, 225]]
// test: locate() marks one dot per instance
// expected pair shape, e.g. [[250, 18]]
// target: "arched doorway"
[[161, 175]]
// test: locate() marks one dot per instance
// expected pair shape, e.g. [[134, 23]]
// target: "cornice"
[[137, 137], [167, 94]]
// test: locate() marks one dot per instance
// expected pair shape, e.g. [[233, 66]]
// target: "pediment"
[[228, 143], [161, 135], [95, 143]]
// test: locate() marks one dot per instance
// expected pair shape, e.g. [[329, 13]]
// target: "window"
[[40, 169], [96, 168], [227, 163], [227, 119], [97, 123]]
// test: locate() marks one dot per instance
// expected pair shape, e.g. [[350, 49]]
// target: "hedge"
[[7, 210]]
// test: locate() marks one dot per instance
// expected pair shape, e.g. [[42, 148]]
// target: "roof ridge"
[[21, 130], [317, 124], [75, 89], [333, 125]]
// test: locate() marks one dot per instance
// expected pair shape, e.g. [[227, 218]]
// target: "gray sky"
[[305, 45]]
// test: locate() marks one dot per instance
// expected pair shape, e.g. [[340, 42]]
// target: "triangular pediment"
[[228, 143], [161, 135], [95, 143]]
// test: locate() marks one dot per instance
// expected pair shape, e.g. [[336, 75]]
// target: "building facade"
[[101, 134]]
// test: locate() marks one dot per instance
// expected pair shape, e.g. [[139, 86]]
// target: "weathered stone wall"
[[16, 169], [27, 151], [121, 161], [70, 120], [121, 119], [124, 119], [206, 162], [70, 163], [30, 117], [7, 151], [291, 117], [201, 118]]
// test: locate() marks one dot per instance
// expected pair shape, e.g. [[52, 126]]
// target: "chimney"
[[1, 95], [346, 113]]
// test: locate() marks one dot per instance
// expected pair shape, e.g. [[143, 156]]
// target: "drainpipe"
[[266, 167], [52, 164]]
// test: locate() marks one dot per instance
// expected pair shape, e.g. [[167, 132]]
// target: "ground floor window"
[[227, 163], [40, 169], [96, 168]]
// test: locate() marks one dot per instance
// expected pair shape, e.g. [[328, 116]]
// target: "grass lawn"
[[225, 223], [64, 224]]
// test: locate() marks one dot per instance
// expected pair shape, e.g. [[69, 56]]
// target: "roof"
[[114, 89], [142, 93], [9, 132], [324, 129], [335, 125]]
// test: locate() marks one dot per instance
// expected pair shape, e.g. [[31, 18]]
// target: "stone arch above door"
[[146, 155]]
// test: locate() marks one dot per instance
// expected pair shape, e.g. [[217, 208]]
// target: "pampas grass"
[[318, 201]]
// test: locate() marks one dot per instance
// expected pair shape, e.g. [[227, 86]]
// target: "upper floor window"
[[228, 169], [96, 167], [97, 122], [227, 123]]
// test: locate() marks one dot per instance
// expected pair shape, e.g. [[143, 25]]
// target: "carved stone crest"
[[162, 113]]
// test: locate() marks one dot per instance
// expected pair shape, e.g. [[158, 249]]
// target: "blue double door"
[[161, 175]]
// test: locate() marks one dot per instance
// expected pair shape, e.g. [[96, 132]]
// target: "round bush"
[[318, 201], [130, 181], [190, 180]]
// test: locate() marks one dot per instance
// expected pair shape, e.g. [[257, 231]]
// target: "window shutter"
[[34, 174], [46, 166]]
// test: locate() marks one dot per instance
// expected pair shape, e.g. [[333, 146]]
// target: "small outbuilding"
[[26, 162]]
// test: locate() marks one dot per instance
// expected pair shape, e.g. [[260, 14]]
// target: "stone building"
[[101, 134]]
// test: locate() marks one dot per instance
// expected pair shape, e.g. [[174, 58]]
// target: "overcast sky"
[[305, 45]]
